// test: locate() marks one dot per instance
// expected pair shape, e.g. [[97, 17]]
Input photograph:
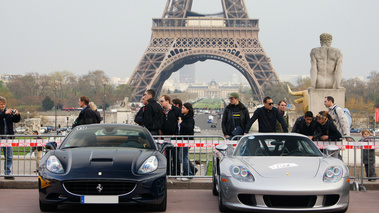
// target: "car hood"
[[83, 162], [278, 167]]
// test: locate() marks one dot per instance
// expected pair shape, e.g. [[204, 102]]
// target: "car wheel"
[[214, 183], [221, 206], [47, 207], [162, 206]]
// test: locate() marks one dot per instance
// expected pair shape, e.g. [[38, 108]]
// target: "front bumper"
[[150, 189], [286, 196]]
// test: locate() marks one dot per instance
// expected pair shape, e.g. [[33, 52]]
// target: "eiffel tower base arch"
[[182, 39]]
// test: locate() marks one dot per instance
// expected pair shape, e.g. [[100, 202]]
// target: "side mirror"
[[166, 146], [225, 148], [221, 147], [332, 151], [51, 145]]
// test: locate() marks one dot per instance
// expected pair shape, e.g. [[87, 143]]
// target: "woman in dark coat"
[[326, 130], [186, 125]]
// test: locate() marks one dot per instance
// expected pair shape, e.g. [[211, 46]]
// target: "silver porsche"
[[285, 172]]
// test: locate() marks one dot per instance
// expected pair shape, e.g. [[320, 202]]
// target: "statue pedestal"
[[123, 116], [31, 125], [317, 97]]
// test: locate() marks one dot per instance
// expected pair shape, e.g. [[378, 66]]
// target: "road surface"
[[196, 201]]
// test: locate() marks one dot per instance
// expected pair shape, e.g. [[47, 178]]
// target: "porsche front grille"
[[290, 201], [98, 187]]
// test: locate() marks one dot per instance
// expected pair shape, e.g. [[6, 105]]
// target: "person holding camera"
[[7, 117]]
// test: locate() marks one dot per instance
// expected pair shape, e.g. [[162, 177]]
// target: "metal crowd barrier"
[[199, 148], [23, 148]]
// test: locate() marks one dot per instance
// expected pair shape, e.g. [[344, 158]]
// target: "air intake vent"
[[102, 160], [99, 187]]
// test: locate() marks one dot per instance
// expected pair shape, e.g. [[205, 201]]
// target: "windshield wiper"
[[313, 155], [69, 147]]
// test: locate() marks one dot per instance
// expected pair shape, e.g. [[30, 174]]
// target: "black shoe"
[[372, 180], [9, 178]]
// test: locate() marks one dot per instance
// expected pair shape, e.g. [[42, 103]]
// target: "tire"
[[162, 206], [47, 207], [214, 184], [221, 206], [214, 187]]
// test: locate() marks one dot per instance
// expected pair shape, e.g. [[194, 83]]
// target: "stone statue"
[[304, 98], [124, 103], [326, 65]]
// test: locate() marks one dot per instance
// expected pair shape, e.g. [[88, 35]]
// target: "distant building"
[[6, 77], [212, 90], [187, 74]]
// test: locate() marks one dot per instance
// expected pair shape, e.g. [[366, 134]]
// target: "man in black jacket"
[[235, 117], [153, 115], [170, 127], [138, 119], [87, 115], [305, 125], [267, 116], [171, 116], [7, 117]]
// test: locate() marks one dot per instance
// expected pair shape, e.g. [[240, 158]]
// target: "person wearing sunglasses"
[[267, 117]]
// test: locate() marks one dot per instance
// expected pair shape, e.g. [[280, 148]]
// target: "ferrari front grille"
[[279, 201], [99, 187]]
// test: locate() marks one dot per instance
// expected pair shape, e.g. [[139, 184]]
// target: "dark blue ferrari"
[[104, 164]]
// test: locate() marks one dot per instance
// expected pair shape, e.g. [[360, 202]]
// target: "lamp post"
[[104, 105], [55, 108]]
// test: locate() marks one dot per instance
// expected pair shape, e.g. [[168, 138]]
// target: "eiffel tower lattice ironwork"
[[183, 37]]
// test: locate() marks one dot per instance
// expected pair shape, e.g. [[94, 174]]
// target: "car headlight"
[[54, 165], [333, 174], [241, 173], [150, 165]]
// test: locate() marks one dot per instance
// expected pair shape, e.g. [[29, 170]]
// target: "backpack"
[[347, 113]]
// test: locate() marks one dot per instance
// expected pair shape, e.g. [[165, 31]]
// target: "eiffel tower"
[[183, 37]]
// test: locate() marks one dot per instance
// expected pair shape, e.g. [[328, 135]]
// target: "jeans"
[[186, 167], [8, 155]]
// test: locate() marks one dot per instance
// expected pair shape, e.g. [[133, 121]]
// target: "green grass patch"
[[209, 171], [208, 104]]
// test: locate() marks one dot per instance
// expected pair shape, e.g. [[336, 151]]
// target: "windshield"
[[109, 136], [272, 145]]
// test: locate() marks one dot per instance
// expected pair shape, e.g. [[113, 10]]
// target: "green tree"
[[47, 103]]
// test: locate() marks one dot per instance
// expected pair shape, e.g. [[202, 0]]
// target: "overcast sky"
[[111, 35]]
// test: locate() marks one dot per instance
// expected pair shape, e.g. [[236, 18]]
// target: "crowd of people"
[[173, 118]]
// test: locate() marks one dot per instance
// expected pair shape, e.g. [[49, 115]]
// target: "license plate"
[[95, 199]]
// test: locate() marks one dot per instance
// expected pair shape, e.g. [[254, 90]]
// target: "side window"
[[306, 147]]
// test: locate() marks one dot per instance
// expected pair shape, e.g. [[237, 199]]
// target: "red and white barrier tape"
[[189, 143]]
